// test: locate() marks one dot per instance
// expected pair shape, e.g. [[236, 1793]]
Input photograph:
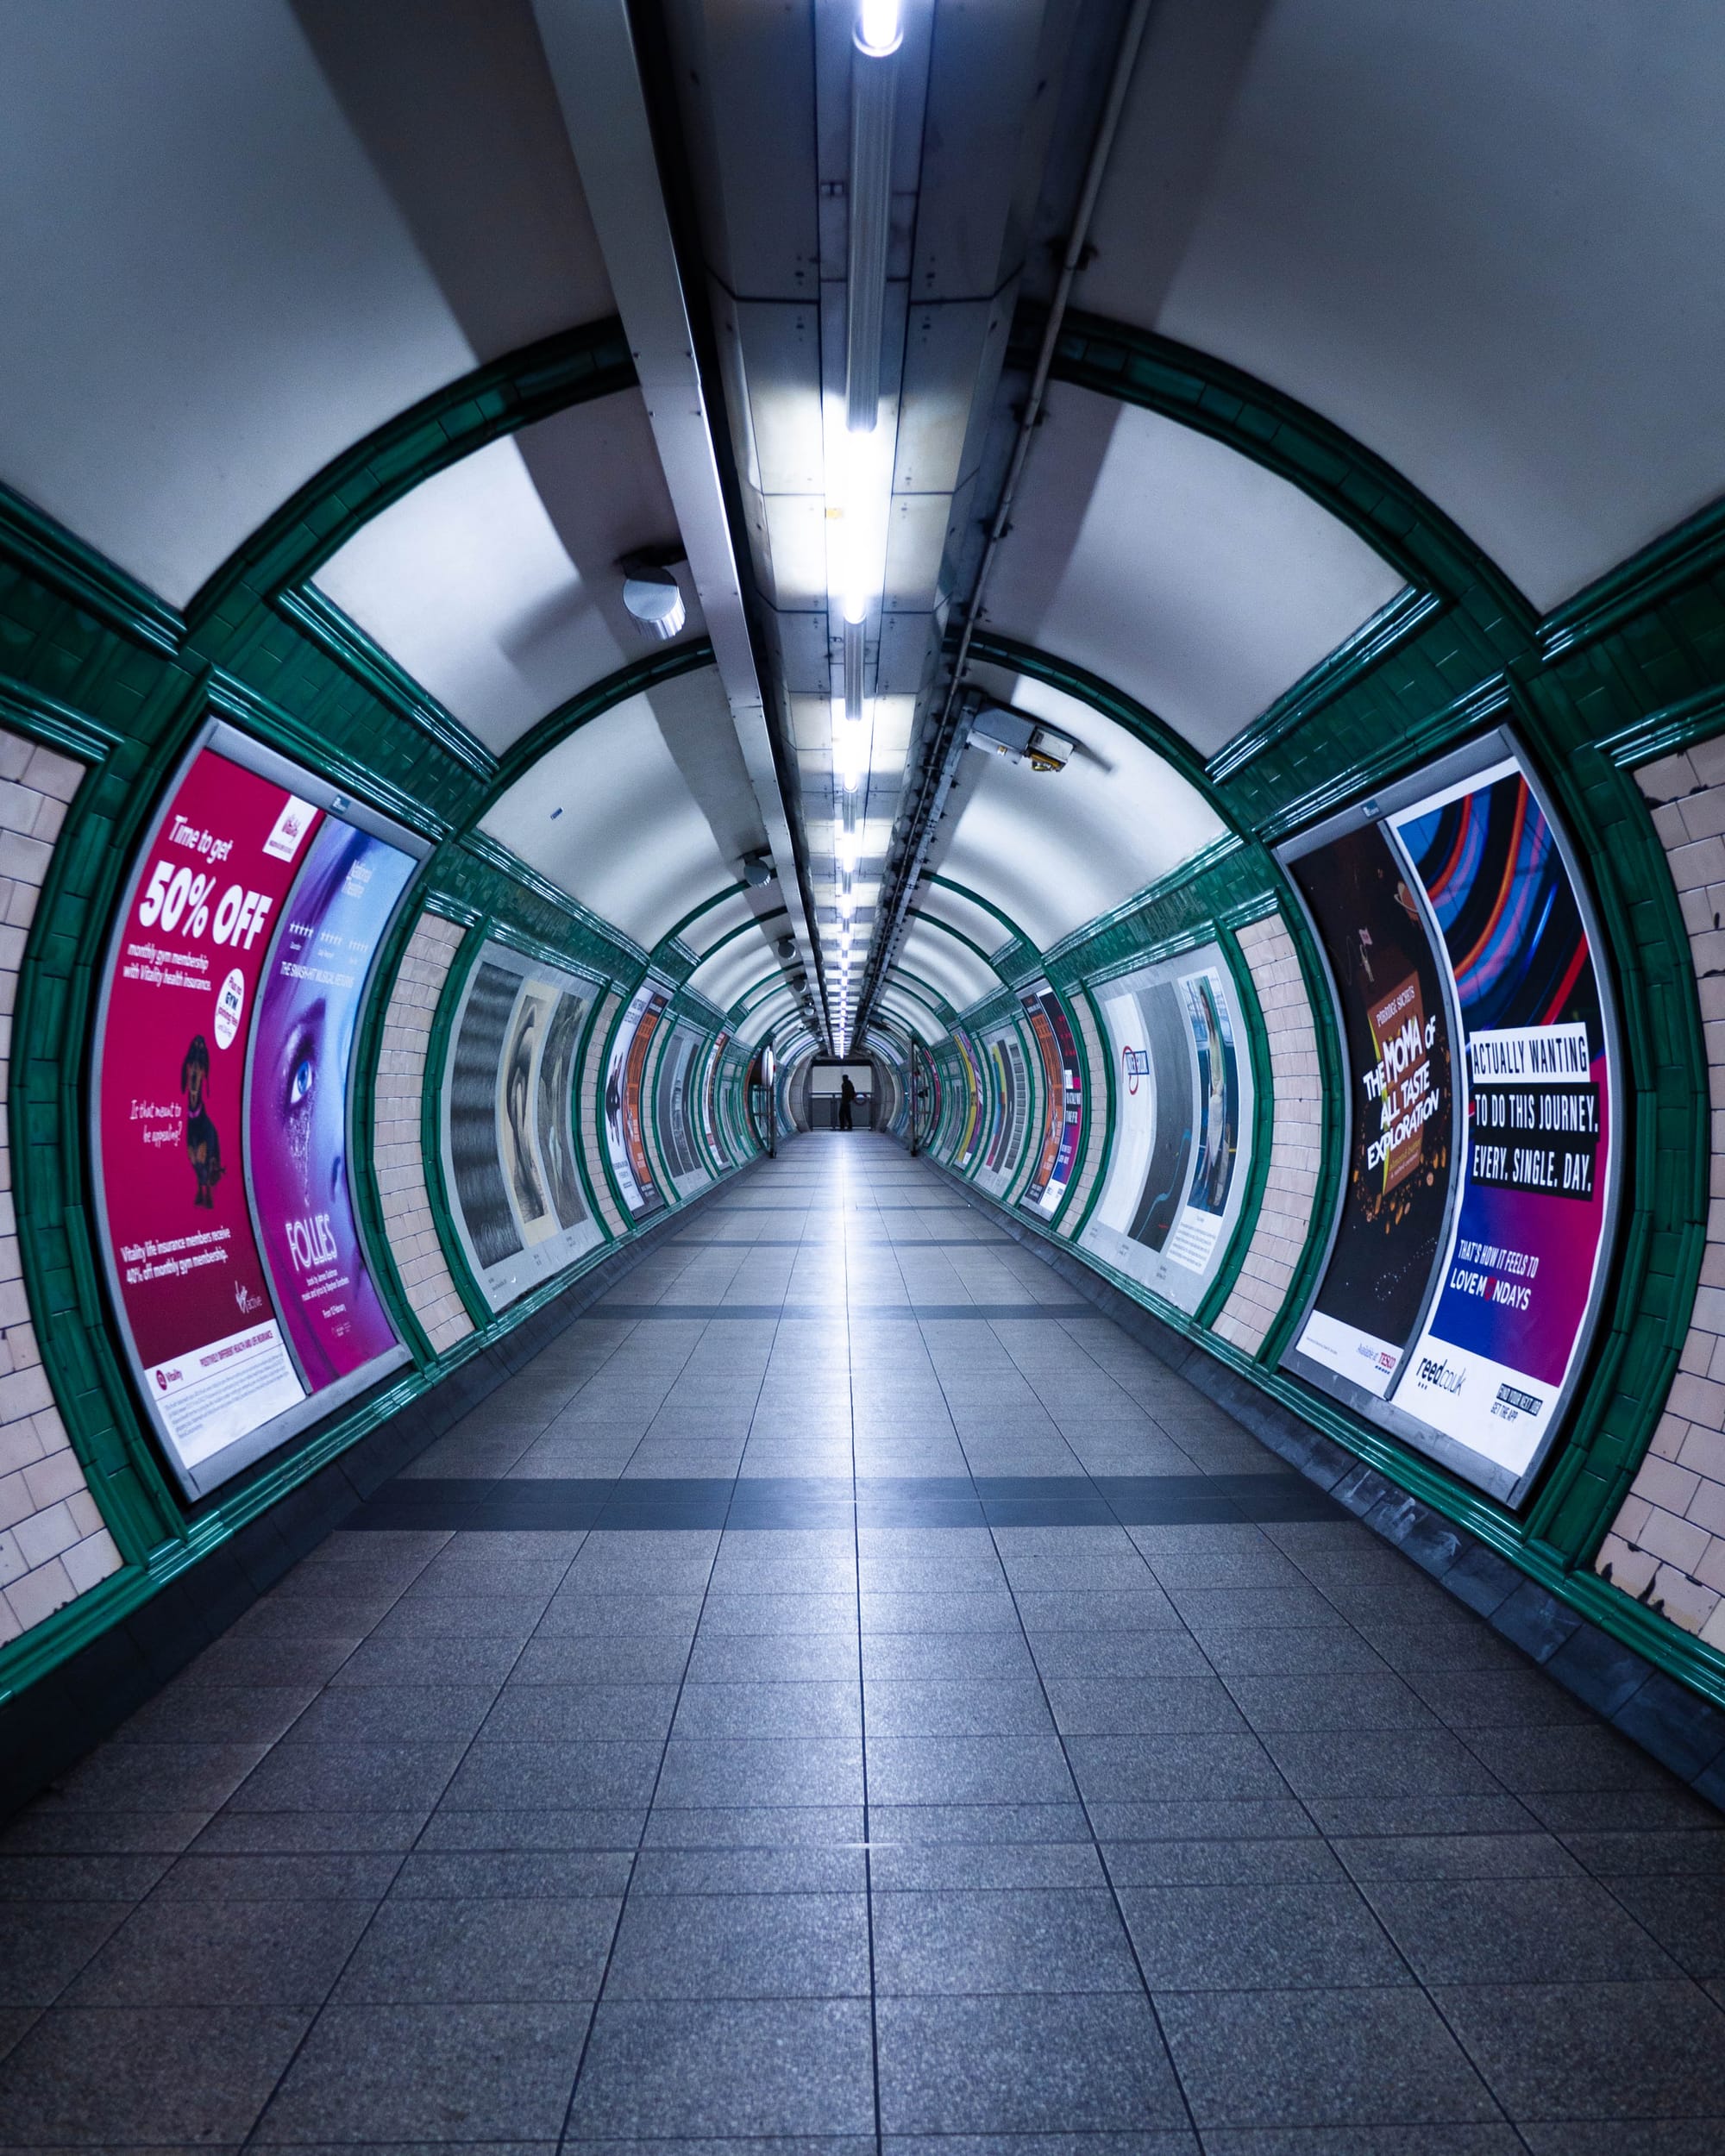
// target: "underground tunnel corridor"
[[862, 1077]]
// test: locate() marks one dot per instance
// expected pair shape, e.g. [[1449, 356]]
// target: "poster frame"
[[1512, 1488], [1157, 1273], [200, 1479], [506, 1281]]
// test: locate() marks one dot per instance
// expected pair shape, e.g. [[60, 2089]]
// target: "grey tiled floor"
[[1236, 1838]]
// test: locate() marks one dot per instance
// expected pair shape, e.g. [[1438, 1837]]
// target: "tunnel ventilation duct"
[[1020, 738], [873, 81]]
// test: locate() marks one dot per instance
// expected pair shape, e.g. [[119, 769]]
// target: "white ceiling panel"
[[1055, 851], [608, 817], [909, 1012], [495, 583], [775, 1009], [719, 921], [730, 973], [1177, 569], [1468, 233], [249, 233], [946, 965], [962, 914]]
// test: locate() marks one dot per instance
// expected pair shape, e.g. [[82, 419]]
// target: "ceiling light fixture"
[[880, 27], [873, 82]]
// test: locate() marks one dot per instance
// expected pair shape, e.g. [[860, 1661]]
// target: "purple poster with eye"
[[301, 1056]]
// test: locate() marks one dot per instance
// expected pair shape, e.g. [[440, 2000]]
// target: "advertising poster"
[[623, 1121], [1490, 1020], [509, 1142], [711, 1115], [1203, 999], [1397, 1054], [1153, 1109], [1506, 1327], [223, 1072], [555, 1118], [517, 1106], [1064, 1097], [1011, 1108], [308, 1013], [1176, 1170], [671, 1094], [970, 1105], [926, 1106], [475, 1080]]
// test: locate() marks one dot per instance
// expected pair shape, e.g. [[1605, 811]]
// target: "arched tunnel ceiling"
[[730, 914], [769, 1015], [917, 1016], [494, 583], [1471, 234], [731, 972], [945, 964], [1175, 568], [969, 918], [628, 814], [256, 231], [1053, 850]]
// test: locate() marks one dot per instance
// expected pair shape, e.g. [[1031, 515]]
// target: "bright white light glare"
[[859, 490], [879, 28], [848, 852], [847, 905]]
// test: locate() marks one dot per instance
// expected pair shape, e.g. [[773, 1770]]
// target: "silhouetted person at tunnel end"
[[847, 1093]]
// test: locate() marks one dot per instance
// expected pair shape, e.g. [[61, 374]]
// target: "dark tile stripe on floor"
[[551, 1505], [810, 1312]]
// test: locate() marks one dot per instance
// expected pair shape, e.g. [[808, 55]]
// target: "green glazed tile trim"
[[1357, 487], [324, 623], [61, 563], [573, 367]]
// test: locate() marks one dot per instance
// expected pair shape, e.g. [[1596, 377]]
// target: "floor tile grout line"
[[1095, 1843], [1414, 1979], [634, 1857], [863, 1705], [249, 2141]]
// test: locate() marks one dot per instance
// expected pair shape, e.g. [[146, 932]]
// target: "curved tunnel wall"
[[1616, 698], [1619, 1522], [105, 691]]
